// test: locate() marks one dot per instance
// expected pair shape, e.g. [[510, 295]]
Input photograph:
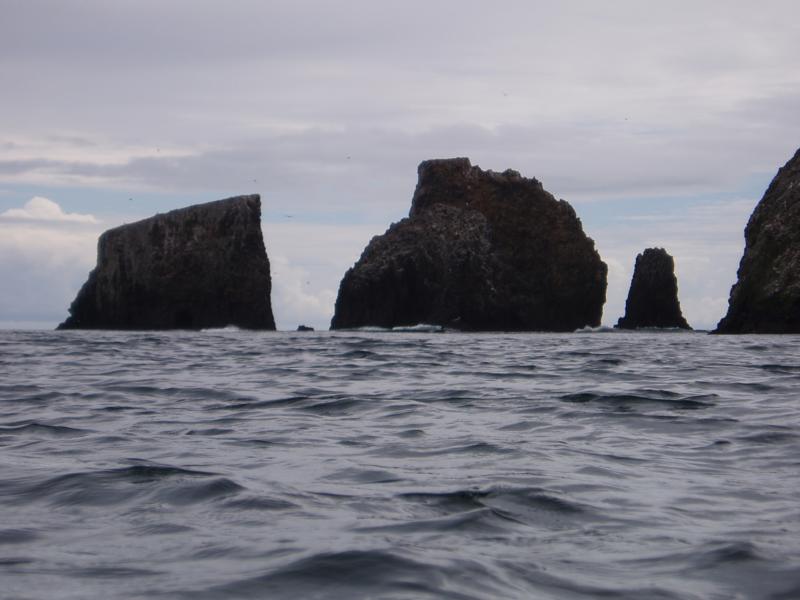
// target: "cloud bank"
[[43, 209]]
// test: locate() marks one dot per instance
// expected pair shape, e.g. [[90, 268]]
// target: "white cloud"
[[43, 262], [44, 209], [307, 263], [295, 301]]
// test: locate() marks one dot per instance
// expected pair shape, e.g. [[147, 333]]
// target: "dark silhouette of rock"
[[479, 251], [653, 296], [304, 328], [191, 268], [766, 297]]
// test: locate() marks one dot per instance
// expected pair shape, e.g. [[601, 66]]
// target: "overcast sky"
[[661, 123]]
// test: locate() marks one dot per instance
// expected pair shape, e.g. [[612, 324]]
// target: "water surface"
[[230, 464]]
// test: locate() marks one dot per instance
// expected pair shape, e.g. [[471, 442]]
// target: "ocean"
[[235, 464]]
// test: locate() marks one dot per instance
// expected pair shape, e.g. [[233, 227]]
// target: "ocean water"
[[228, 464]]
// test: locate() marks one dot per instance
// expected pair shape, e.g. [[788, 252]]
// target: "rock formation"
[[653, 296], [766, 297], [479, 251], [191, 268]]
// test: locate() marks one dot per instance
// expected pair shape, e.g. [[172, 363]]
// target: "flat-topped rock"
[[653, 295], [479, 251], [766, 297], [192, 268]]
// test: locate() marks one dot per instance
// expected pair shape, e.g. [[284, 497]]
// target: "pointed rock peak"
[[653, 295]]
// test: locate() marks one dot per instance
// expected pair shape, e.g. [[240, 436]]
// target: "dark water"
[[397, 465]]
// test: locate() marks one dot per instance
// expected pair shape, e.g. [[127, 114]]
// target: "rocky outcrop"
[[191, 268], [653, 296], [766, 297], [479, 251]]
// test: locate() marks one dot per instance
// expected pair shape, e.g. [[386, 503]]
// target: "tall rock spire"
[[653, 296]]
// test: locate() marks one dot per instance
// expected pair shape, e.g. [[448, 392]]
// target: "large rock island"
[[766, 297], [653, 296], [191, 268], [479, 251]]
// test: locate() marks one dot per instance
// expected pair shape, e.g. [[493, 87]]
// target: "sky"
[[661, 123]]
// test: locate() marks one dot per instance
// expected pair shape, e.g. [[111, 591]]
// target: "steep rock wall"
[[191, 268]]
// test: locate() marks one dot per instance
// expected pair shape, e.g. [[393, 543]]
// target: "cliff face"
[[191, 268], [481, 251], [766, 297], [653, 296]]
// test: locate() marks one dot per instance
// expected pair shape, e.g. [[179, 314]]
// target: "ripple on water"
[[532, 507], [122, 485], [643, 400], [378, 573], [35, 429]]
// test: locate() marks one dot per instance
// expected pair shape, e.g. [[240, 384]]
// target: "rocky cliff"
[[480, 251], [192, 268], [653, 295], [766, 297]]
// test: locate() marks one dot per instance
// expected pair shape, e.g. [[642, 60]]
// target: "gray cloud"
[[29, 167], [360, 169], [195, 72]]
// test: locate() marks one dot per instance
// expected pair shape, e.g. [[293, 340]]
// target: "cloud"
[[294, 300], [43, 262], [306, 277], [43, 209], [369, 173], [328, 109]]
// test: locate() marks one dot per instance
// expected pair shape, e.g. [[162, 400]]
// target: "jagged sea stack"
[[653, 296], [479, 251], [766, 297], [191, 268]]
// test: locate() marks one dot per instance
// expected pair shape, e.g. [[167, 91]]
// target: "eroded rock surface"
[[191, 268], [766, 297], [653, 295], [479, 251]]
